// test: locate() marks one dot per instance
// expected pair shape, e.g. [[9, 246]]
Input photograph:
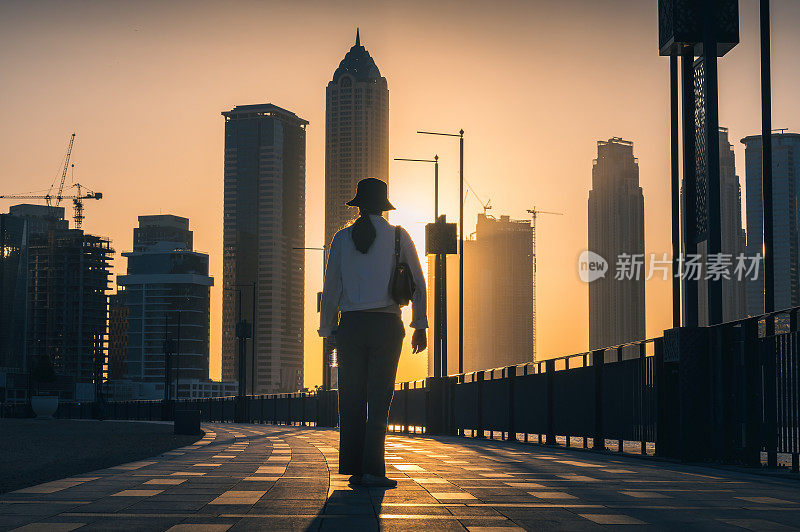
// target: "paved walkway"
[[262, 477]]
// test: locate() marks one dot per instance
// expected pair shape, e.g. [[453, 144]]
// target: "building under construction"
[[498, 299], [13, 297], [68, 280]]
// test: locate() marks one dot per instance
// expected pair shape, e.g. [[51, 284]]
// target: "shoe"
[[355, 480], [373, 481]]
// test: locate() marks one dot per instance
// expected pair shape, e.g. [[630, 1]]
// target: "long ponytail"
[[363, 232]]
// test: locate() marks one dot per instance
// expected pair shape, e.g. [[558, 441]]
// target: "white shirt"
[[360, 281]]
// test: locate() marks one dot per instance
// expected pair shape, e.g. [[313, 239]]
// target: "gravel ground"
[[34, 451]]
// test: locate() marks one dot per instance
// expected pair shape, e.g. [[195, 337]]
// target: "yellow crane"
[[82, 192], [534, 212]]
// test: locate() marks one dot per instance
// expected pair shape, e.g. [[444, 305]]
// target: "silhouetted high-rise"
[[498, 311], [732, 241], [13, 291], [166, 297], [786, 220], [616, 233], [264, 225], [356, 134]]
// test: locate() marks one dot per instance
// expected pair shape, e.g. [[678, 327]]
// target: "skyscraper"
[[785, 205], [616, 233], [356, 144], [165, 297], [356, 134], [732, 242], [498, 311], [263, 229]]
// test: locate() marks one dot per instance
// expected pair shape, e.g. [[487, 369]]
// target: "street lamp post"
[[460, 136], [242, 333], [439, 280], [326, 348]]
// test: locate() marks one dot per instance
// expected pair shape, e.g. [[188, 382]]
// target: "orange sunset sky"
[[535, 84]]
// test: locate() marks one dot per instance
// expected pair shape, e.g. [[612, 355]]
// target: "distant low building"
[[166, 295], [130, 390]]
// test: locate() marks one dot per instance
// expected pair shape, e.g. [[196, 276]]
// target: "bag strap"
[[396, 245]]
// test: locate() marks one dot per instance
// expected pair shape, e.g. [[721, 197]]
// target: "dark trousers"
[[368, 346]]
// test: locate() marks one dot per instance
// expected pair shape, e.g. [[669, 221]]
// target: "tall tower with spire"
[[356, 146], [356, 134]]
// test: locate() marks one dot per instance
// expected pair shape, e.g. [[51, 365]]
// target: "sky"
[[534, 84]]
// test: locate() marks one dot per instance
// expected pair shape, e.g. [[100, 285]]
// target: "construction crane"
[[83, 193], [63, 175], [534, 212], [77, 200]]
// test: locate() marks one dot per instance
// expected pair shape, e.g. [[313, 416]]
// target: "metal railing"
[[727, 393]]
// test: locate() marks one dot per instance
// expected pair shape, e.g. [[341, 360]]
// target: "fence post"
[[752, 394], [794, 392], [550, 370], [479, 375], [512, 426], [404, 388], [620, 443], [770, 393], [642, 390], [598, 360]]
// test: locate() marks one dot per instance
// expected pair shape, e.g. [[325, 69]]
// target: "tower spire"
[[358, 39]]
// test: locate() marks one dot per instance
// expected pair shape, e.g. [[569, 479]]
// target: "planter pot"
[[44, 406]]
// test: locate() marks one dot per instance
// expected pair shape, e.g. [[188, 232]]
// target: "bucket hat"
[[371, 193]]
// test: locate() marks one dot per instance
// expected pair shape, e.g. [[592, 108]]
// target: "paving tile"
[[496, 528], [612, 519], [645, 494], [756, 524], [766, 500], [452, 496], [239, 497], [551, 495], [136, 493], [199, 527], [48, 527], [407, 467]]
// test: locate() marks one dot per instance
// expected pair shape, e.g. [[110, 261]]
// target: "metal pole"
[[435, 188], [437, 282], [768, 221], [713, 219], [241, 365], [461, 251], [167, 377], [443, 320], [178, 358], [766, 162], [253, 343], [675, 191], [460, 136]]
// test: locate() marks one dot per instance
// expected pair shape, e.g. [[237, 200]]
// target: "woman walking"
[[362, 266]]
